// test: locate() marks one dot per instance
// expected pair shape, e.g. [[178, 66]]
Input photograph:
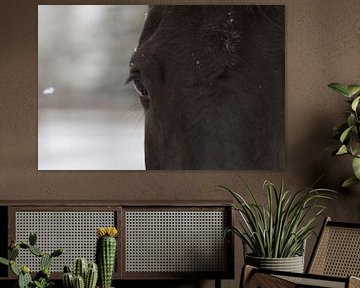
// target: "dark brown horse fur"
[[212, 85]]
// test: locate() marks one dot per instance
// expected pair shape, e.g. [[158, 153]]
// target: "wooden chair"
[[334, 263]]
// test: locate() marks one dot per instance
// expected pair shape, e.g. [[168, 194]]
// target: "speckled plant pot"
[[291, 264]]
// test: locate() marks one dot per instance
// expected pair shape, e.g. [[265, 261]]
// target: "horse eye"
[[141, 90]]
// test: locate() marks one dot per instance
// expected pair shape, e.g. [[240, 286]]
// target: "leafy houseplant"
[[349, 132], [279, 229], [42, 278]]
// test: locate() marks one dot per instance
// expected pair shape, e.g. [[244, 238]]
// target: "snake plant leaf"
[[356, 167], [355, 103], [340, 88], [345, 134], [354, 90], [342, 150], [349, 182]]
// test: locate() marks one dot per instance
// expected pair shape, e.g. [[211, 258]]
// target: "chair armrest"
[[354, 282], [253, 278]]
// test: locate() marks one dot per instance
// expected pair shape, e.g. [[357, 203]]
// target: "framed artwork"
[[131, 87]]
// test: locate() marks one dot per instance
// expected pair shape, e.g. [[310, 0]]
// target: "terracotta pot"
[[291, 264]]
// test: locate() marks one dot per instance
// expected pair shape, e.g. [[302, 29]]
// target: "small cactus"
[[14, 268], [45, 261], [79, 282], [24, 278], [68, 280], [36, 251], [57, 252], [32, 238], [24, 245], [44, 273], [106, 254], [25, 269], [67, 269], [81, 267], [4, 261], [13, 253], [91, 276]]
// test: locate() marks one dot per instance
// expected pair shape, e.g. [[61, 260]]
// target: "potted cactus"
[[106, 254], [42, 278], [84, 275]]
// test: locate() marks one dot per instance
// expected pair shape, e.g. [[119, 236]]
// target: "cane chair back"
[[335, 262], [337, 252]]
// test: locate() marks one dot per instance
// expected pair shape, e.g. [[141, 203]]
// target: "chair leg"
[[217, 283], [246, 276]]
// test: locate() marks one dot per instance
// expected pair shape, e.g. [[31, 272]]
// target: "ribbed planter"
[[291, 264]]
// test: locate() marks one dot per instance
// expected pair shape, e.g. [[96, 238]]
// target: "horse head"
[[211, 81]]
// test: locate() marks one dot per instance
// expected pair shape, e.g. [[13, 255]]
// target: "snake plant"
[[279, 228]]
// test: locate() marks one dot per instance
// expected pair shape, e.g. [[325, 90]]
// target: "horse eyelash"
[[133, 76], [129, 79]]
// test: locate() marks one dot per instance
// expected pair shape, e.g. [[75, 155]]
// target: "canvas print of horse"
[[211, 84], [211, 80]]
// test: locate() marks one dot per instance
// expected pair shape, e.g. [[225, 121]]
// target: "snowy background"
[[88, 118]]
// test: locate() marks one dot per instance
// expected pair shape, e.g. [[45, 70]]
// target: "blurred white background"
[[88, 118]]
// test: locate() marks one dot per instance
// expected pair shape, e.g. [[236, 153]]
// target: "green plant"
[[81, 266], [105, 254], [279, 229], [348, 133], [91, 276], [85, 275], [43, 283], [42, 278]]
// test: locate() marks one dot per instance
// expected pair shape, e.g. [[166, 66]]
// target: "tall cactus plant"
[[106, 254]]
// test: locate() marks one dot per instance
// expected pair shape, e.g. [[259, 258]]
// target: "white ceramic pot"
[[291, 264]]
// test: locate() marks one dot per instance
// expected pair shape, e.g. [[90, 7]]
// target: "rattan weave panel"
[[75, 231], [267, 280], [175, 241], [338, 253], [301, 282]]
